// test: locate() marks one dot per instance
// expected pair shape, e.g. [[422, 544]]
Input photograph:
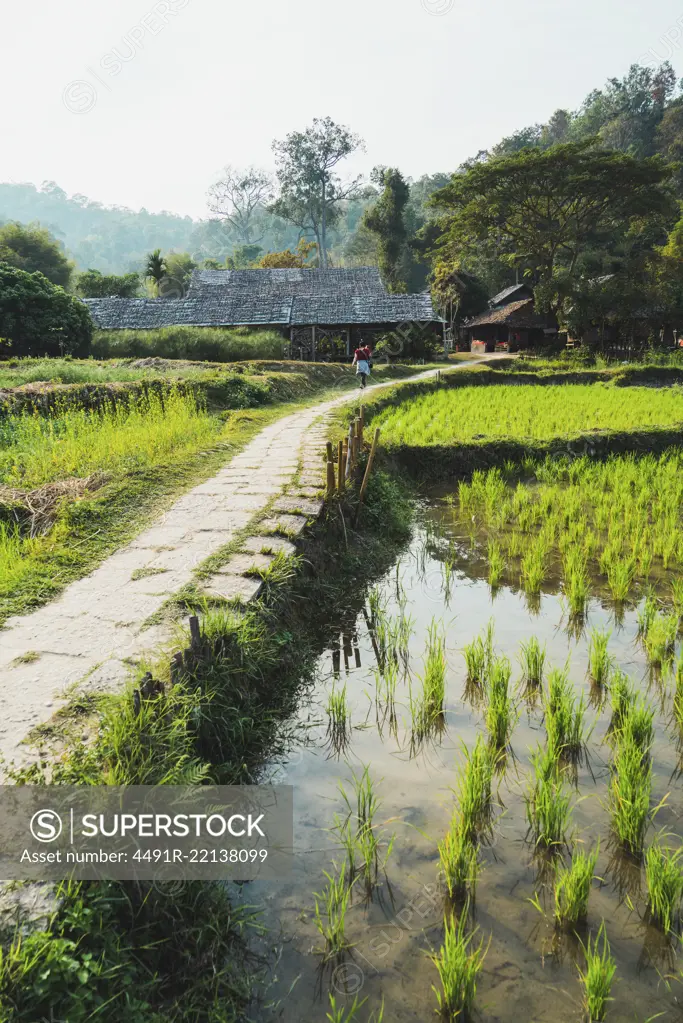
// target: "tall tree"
[[39, 318], [155, 271], [239, 197], [32, 248], [311, 192], [176, 280], [386, 220], [544, 209]]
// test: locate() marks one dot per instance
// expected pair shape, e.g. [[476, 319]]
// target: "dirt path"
[[87, 639]]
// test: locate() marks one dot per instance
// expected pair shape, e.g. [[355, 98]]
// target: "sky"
[[142, 102]]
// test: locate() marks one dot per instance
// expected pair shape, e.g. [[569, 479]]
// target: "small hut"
[[510, 323]]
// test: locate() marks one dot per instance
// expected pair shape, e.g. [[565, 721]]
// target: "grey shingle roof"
[[503, 296], [221, 298]]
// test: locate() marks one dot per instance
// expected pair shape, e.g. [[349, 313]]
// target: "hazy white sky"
[[141, 102]]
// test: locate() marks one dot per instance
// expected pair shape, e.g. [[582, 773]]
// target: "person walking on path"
[[361, 360]]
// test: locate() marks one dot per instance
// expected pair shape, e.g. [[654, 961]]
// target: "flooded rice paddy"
[[531, 971]]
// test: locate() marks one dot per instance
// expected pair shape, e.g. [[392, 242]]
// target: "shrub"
[[210, 344], [39, 318]]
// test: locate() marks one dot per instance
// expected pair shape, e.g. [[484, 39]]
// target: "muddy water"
[[529, 974]]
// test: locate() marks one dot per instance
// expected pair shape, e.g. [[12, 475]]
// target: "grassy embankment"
[[120, 951], [102, 464]]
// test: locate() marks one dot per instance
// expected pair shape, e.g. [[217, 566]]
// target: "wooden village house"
[[510, 323], [323, 314]]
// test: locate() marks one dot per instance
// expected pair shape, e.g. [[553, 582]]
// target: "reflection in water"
[[414, 760]]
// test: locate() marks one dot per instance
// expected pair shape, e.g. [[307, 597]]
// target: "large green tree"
[[93, 284], [311, 191], [176, 280], [38, 318], [155, 270], [386, 219], [542, 210], [32, 248]]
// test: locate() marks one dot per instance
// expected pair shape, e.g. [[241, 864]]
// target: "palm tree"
[[156, 269]]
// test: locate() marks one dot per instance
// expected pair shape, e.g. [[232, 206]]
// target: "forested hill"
[[641, 114]]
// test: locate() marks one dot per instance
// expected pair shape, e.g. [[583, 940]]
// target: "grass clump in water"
[[331, 907], [548, 807], [629, 792], [597, 977], [565, 716], [664, 880], [427, 711], [362, 838], [459, 963], [474, 788], [532, 658], [500, 713], [458, 858], [660, 639], [572, 888], [599, 659]]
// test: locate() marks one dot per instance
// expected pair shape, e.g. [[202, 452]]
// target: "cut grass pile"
[[525, 412], [619, 520]]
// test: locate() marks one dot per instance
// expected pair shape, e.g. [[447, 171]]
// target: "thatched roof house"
[[510, 322], [313, 307]]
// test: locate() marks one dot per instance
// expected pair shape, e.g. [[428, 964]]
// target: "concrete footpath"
[[88, 639]]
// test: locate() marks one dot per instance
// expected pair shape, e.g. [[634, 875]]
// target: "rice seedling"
[[564, 716], [500, 713], [597, 977], [474, 787], [599, 659], [576, 580], [677, 595], [340, 1014], [660, 638], [331, 907], [637, 725], [678, 693], [533, 567], [629, 794], [572, 888], [496, 563], [338, 718], [664, 881], [647, 614], [620, 573], [458, 858], [364, 840], [547, 801], [532, 658], [459, 963], [623, 695], [427, 711], [475, 659]]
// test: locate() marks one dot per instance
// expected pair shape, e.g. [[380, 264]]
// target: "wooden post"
[[195, 633], [349, 451], [313, 342], [368, 470], [361, 424], [356, 440], [330, 471], [340, 467]]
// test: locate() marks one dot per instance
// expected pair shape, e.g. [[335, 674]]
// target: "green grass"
[[532, 659], [629, 791], [331, 907], [501, 716], [596, 979], [427, 709], [459, 963], [572, 888], [664, 880], [338, 718], [347, 1014], [548, 804], [473, 791], [599, 659], [564, 716], [459, 859], [364, 840], [529, 412], [660, 638]]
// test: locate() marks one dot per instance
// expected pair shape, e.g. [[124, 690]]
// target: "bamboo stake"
[[368, 470], [361, 425], [356, 441], [349, 452], [340, 467], [331, 481]]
